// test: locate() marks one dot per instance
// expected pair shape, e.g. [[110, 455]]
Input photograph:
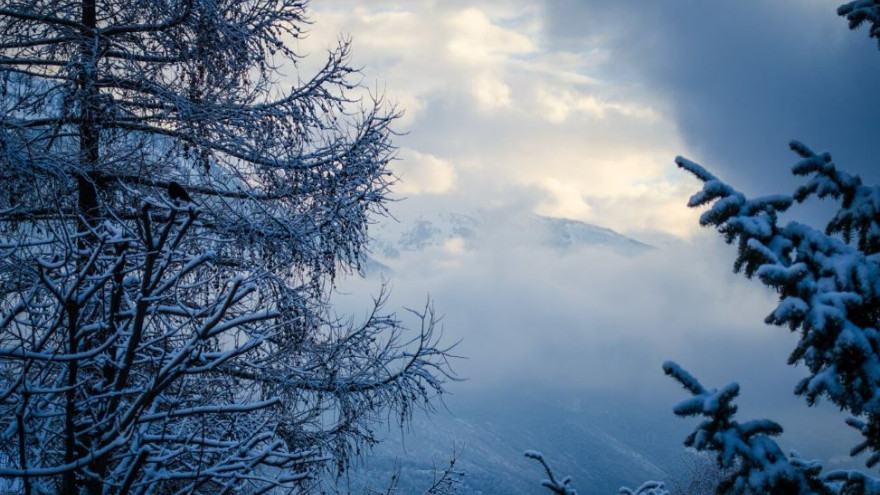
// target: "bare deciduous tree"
[[171, 221]]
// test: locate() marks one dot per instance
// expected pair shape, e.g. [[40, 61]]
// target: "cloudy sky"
[[576, 109], [580, 105]]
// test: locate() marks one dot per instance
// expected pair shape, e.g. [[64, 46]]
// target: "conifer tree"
[[828, 282]]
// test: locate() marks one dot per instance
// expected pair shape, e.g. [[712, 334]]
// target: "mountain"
[[602, 442], [493, 230], [564, 234]]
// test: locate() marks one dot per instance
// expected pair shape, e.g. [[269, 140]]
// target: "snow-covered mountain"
[[602, 442], [492, 230], [563, 234]]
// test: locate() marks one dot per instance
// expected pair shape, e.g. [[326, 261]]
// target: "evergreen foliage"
[[829, 293], [828, 283]]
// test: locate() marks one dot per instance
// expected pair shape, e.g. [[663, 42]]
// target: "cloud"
[[741, 78], [600, 95], [483, 90], [563, 200], [590, 319], [491, 92], [532, 317], [576, 108], [475, 40], [560, 103], [421, 173]]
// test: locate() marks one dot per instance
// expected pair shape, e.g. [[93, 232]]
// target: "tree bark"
[[89, 132]]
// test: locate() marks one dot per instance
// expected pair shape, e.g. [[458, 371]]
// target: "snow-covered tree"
[[698, 474], [828, 283], [829, 288], [174, 209]]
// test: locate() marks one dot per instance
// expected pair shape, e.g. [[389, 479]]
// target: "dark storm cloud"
[[743, 78]]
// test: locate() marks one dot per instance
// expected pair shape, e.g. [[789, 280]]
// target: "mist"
[[589, 322]]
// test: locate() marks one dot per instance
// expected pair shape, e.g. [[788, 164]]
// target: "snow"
[[172, 226], [827, 284]]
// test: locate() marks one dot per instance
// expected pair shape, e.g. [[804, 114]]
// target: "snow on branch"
[[647, 488], [171, 222], [165, 362], [747, 450], [829, 291], [829, 288], [563, 486], [861, 11], [560, 487], [859, 214]]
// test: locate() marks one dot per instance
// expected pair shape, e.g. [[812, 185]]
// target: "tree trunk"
[[88, 212], [89, 132]]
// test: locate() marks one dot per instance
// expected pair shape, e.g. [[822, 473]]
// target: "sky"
[[576, 109]]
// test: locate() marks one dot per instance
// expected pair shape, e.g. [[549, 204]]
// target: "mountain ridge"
[[453, 231]]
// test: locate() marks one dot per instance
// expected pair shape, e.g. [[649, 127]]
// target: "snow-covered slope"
[[602, 443], [562, 233]]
